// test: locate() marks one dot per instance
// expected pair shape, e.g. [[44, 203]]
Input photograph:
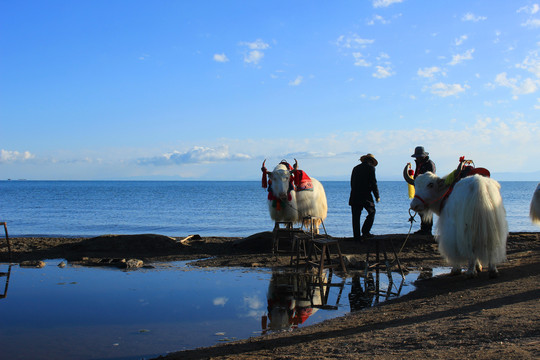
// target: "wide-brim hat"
[[419, 152], [369, 157]]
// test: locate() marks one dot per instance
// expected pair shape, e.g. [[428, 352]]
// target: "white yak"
[[293, 196], [472, 227]]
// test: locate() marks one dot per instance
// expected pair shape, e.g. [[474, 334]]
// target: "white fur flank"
[[472, 225], [535, 206], [312, 202]]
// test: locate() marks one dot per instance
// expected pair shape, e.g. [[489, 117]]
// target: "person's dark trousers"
[[368, 223], [426, 225]]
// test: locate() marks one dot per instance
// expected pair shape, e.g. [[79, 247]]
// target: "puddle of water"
[[104, 313]]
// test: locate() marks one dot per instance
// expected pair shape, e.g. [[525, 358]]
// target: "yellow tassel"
[[410, 173], [411, 191]]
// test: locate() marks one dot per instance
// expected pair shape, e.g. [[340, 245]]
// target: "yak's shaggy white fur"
[[312, 202], [472, 227], [535, 206]]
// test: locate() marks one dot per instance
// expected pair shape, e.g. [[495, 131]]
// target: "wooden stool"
[[299, 249], [319, 254], [381, 245], [282, 231], [7, 239]]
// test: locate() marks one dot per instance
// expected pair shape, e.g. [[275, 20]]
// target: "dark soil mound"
[[142, 243]]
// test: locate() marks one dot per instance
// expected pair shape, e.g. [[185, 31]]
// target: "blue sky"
[[206, 90]]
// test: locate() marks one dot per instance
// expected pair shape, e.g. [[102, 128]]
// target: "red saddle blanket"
[[302, 181]]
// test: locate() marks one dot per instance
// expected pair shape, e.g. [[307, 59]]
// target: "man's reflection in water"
[[361, 298]]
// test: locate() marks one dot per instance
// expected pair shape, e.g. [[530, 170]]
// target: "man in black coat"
[[363, 184], [423, 165]]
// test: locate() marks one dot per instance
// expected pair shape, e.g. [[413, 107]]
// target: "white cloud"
[[444, 90], [429, 72], [379, 19], [353, 42], [382, 72], [359, 60], [491, 143], [14, 156], [527, 86], [256, 45], [220, 301], [221, 58], [253, 57], [255, 53], [497, 35], [385, 3], [310, 155], [459, 58], [253, 302], [296, 81], [485, 141], [383, 56], [532, 23], [472, 17], [460, 40], [196, 155], [531, 63], [533, 9]]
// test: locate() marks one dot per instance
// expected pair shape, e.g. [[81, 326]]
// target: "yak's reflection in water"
[[291, 301], [295, 296]]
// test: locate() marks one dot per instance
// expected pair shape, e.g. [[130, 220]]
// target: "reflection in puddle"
[[293, 297], [93, 313], [5, 274]]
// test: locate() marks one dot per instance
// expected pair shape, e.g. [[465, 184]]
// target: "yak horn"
[[406, 175], [295, 164]]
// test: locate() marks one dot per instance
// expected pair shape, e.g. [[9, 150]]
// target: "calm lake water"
[[207, 208], [105, 313]]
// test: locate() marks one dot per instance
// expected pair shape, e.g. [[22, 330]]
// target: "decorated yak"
[[472, 227], [293, 196]]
